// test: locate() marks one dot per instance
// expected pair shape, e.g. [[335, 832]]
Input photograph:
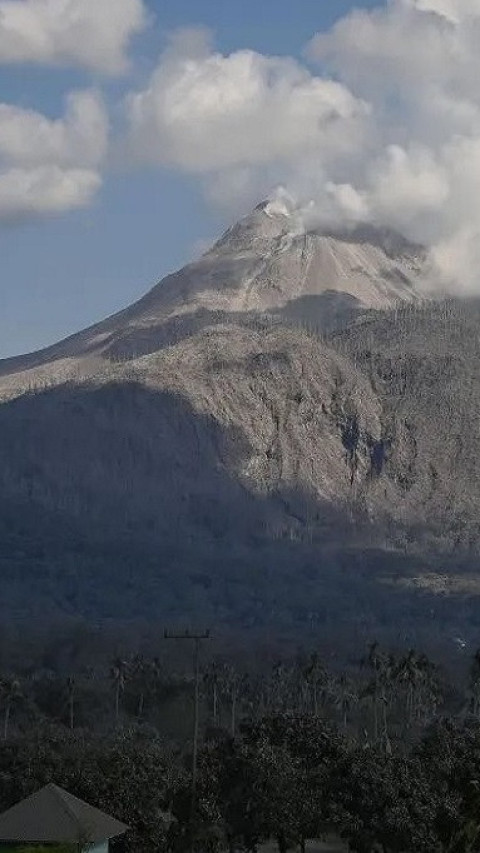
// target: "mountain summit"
[[267, 264], [203, 456]]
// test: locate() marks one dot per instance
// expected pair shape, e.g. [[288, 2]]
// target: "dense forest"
[[382, 752]]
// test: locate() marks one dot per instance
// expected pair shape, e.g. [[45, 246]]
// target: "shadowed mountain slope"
[[253, 476]]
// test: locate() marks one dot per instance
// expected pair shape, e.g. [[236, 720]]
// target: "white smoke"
[[388, 133]]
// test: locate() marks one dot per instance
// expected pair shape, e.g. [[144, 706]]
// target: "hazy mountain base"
[[256, 478]]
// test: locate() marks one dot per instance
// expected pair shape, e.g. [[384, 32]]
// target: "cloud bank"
[[54, 165], [387, 131], [203, 111], [380, 123], [94, 34], [51, 166]]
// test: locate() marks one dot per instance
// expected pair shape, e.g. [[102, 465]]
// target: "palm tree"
[[373, 661], [280, 687], [227, 686], [71, 701], [212, 679], [119, 673], [11, 693], [345, 697], [429, 693], [253, 695], [155, 676], [408, 676], [379, 686], [316, 678], [141, 672], [475, 684], [232, 681]]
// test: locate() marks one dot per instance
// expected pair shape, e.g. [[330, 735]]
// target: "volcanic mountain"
[[283, 432], [265, 265]]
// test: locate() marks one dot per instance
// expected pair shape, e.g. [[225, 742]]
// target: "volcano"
[[267, 265], [283, 433]]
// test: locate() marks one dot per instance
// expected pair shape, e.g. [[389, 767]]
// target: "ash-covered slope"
[[254, 475], [267, 265], [423, 363]]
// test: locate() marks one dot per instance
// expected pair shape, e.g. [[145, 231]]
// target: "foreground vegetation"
[[385, 754]]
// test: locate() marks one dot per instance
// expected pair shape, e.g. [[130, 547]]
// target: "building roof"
[[54, 815]]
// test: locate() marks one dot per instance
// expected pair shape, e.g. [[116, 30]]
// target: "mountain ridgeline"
[[282, 436]]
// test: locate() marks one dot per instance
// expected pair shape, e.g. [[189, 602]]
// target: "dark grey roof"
[[54, 815]]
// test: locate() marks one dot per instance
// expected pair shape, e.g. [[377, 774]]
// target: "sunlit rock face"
[[270, 264]]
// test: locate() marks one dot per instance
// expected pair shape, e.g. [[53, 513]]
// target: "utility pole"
[[196, 639]]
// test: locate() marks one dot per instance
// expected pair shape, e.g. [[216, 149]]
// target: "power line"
[[196, 639]]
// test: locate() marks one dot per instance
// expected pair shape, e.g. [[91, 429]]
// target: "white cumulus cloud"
[[26, 193], [80, 138], [387, 131], [51, 165], [94, 34], [203, 111], [416, 62]]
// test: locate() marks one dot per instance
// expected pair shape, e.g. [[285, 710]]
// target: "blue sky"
[[61, 272]]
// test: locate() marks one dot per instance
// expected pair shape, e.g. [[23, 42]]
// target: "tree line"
[[385, 753], [380, 697]]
